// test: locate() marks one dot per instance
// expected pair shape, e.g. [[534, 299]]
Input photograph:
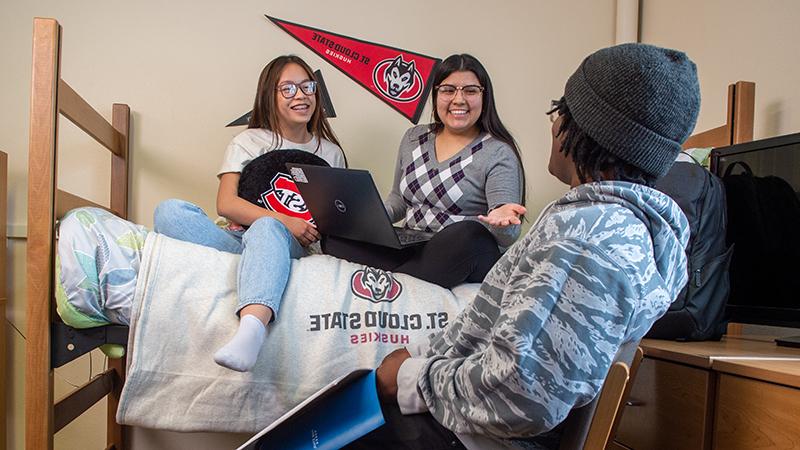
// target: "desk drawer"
[[755, 414], [667, 408]]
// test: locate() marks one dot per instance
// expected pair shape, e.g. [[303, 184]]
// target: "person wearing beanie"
[[594, 272]]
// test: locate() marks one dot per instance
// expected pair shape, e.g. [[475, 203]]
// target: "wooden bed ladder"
[[3, 296], [50, 97]]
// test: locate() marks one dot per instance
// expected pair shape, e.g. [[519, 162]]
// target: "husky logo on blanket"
[[284, 197], [398, 79], [375, 285]]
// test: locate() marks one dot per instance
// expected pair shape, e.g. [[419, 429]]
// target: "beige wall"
[[188, 68], [731, 41]]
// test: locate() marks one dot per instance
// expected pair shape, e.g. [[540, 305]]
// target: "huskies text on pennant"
[[375, 285], [400, 78]]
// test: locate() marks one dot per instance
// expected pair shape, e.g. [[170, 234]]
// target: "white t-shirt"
[[254, 142]]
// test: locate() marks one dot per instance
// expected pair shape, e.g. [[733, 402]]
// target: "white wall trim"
[[627, 26]]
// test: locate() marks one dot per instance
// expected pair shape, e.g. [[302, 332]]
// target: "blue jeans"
[[267, 248]]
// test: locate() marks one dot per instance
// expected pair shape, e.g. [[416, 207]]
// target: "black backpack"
[[698, 313]]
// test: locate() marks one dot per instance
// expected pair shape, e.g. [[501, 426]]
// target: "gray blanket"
[[336, 316]]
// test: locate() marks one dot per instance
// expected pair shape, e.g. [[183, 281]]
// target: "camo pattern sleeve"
[[522, 376], [595, 272]]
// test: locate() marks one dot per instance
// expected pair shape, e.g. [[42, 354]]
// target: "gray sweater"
[[430, 194]]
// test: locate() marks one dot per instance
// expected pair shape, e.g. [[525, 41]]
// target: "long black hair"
[[489, 121], [592, 160], [265, 113]]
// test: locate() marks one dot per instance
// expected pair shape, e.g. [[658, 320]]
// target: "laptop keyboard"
[[409, 236]]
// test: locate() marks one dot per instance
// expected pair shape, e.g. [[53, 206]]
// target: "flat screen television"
[[764, 226]]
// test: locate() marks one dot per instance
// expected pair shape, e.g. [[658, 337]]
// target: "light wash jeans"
[[267, 248]]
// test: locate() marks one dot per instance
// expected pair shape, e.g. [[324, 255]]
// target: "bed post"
[[41, 215], [3, 295], [120, 119], [743, 111]]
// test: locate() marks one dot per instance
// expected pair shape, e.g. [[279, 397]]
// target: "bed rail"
[[50, 98], [738, 125]]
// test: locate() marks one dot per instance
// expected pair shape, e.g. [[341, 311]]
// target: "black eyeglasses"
[[553, 111], [447, 91], [289, 89]]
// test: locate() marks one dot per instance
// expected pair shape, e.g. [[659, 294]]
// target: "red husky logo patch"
[[375, 285], [284, 197]]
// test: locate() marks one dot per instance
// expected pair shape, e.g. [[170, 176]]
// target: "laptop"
[[331, 418], [345, 203]]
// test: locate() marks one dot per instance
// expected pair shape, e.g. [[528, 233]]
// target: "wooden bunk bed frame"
[[51, 97], [738, 125], [47, 336], [3, 296]]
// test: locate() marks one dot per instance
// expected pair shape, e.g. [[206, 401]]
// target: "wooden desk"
[[739, 393]]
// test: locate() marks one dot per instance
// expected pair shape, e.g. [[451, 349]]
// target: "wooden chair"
[[608, 405], [51, 97], [634, 369], [590, 426]]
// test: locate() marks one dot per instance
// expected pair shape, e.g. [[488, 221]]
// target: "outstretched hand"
[[386, 374], [305, 233], [504, 216]]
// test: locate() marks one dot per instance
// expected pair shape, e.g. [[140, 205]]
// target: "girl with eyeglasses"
[[460, 177], [286, 114]]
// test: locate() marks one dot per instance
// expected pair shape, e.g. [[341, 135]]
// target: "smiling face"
[[298, 109], [460, 114]]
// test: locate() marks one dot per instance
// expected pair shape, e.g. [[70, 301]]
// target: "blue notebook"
[[341, 412]]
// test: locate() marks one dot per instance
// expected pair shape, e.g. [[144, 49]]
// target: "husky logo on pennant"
[[284, 197], [375, 285], [398, 79]]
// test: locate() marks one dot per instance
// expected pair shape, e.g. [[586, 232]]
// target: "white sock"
[[241, 352]]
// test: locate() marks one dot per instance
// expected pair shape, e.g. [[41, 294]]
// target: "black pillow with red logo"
[[265, 181]]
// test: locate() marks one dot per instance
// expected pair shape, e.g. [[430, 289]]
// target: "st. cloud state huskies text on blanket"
[[336, 316]]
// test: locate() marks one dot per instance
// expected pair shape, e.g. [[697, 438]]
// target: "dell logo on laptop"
[[340, 205]]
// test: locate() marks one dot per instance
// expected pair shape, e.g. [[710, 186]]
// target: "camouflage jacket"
[[596, 270]]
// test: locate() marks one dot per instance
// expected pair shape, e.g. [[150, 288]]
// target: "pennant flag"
[[243, 120], [400, 78], [327, 104]]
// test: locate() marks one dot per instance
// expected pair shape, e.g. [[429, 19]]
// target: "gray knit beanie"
[[638, 101]]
